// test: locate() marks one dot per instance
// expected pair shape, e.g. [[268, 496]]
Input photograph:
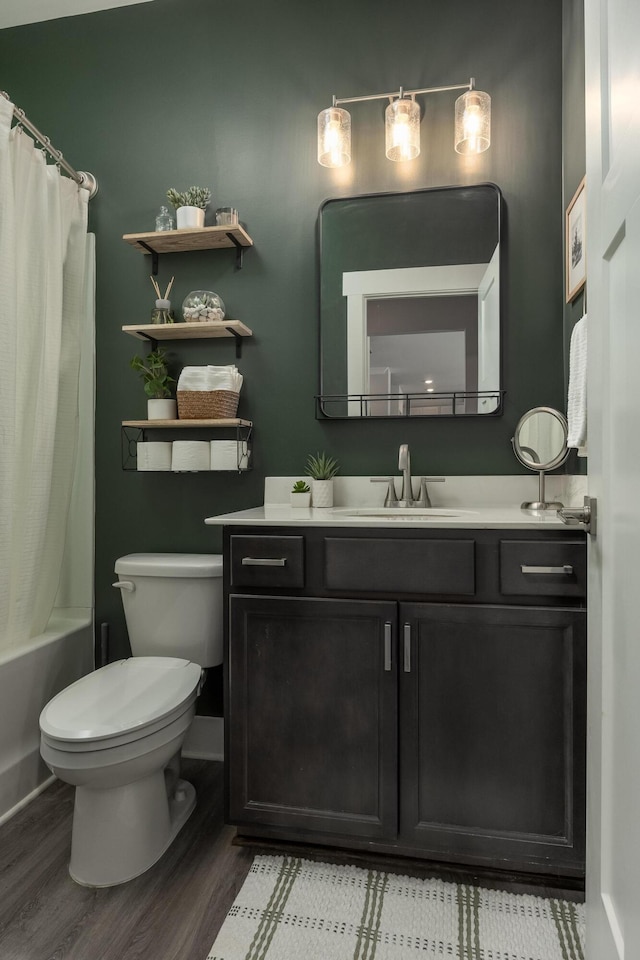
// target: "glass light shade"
[[334, 137], [402, 130], [473, 122]]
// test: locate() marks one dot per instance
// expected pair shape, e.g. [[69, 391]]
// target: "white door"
[[613, 301], [489, 333]]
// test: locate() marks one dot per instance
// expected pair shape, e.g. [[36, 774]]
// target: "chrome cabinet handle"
[[387, 646], [407, 647], [264, 561], [565, 568]]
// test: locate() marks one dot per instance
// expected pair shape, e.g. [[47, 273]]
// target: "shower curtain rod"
[[85, 180]]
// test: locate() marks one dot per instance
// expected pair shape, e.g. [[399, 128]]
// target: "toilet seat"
[[121, 702]]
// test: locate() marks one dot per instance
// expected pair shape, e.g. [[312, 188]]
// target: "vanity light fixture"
[[402, 124], [428, 381]]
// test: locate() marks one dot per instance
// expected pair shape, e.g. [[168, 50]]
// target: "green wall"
[[177, 92]]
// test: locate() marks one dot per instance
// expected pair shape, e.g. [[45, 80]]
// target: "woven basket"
[[207, 404]]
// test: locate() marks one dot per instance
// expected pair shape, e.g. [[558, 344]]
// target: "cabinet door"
[[311, 722], [492, 734]]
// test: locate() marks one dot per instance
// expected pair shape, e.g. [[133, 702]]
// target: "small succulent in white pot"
[[322, 469], [300, 494], [190, 206]]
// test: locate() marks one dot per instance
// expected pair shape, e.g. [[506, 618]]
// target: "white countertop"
[[282, 515], [463, 502]]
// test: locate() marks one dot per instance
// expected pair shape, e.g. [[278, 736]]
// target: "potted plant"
[[156, 379], [190, 206], [300, 494], [322, 469]]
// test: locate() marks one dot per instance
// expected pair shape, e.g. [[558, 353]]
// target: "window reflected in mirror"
[[411, 339]]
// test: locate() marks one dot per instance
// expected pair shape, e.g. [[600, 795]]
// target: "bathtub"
[[29, 678]]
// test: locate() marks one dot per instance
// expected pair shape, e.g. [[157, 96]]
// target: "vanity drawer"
[[267, 561], [543, 568], [400, 565]]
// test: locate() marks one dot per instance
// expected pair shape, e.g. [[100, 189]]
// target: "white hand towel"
[[194, 378], [577, 396]]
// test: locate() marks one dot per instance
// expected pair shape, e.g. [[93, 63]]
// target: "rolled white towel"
[[190, 456], [153, 455], [228, 455]]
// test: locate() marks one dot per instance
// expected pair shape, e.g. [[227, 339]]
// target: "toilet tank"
[[173, 605]]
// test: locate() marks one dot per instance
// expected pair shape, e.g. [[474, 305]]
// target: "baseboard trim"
[[26, 800], [205, 739]]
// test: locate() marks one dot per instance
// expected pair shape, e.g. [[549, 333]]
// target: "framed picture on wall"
[[576, 243]]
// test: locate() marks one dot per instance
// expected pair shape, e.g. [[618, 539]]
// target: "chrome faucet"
[[406, 497], [404, 464]]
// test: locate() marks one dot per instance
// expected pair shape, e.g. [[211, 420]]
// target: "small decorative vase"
[[162, 410], [161, 313], [189, 217], [322, 493], [301, 499]]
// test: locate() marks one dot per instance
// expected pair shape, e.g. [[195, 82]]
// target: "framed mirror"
[[540, 443], [410, 304]]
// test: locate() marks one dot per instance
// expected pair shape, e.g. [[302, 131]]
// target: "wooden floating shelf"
[[170, 424], [179, 241], [188, 331]]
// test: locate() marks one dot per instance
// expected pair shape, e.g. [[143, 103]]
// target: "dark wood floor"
[[172, 912]]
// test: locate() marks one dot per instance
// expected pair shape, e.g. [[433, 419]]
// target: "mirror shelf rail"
[[401, 406]]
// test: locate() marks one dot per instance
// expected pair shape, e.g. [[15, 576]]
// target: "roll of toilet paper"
[[153, 455], [228, 455], [190, 455]]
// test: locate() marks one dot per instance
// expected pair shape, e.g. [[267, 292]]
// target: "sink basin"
[[403, 513]]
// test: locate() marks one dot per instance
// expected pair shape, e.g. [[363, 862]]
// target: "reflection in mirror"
[[540, 443], [410, 303]]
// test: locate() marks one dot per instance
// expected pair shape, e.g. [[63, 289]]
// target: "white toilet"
[[116, 734]]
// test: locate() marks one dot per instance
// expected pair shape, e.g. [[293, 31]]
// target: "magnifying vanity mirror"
[[410, 303], [540, 443]]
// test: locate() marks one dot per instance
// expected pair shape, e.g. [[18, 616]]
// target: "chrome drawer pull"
[[407, 648], [387, 646], [264, 561], [565, 568]]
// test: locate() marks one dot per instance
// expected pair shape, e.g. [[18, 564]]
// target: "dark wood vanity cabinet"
[[312, 715], [401, 718]]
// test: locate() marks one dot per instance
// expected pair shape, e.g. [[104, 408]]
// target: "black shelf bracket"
[[239, 250], [154, 257], [238, 340]]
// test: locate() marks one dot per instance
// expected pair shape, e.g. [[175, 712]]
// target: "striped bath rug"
[[293, 909]]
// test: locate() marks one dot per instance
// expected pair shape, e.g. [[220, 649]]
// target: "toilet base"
[[119, 833]]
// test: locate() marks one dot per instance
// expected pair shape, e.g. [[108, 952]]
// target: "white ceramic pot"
[[189, 217], [162, 410], [301, 499], [322, 493]]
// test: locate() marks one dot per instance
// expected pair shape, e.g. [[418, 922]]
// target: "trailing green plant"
[[154, 373], [300, 486], [193, 197], [321, 467]]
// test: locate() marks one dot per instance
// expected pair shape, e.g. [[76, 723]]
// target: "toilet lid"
[[120, 697]]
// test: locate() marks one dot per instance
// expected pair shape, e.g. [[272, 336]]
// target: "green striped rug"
[[291, 909]]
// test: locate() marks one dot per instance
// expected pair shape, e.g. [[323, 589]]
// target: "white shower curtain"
[[43, 253]]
